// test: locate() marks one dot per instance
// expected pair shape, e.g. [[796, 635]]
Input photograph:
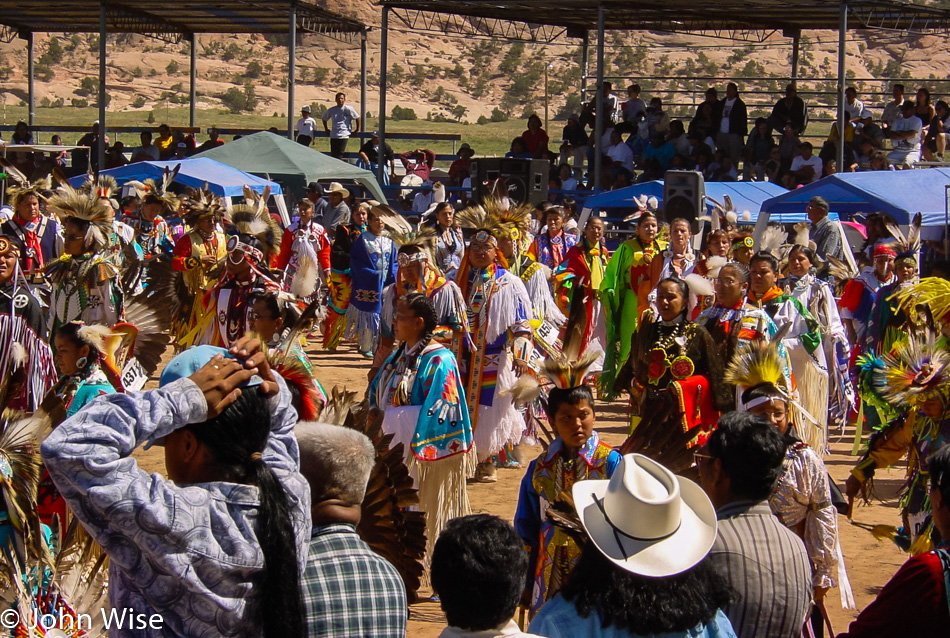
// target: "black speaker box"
[[526, 180]]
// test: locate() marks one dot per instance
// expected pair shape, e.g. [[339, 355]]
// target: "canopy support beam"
[[842, 56], [193, 79], [291, 68], [100, 149], [600, 116], [383, 63], [30, 81], [363, 56]]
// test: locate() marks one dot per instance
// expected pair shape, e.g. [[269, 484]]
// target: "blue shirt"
[[558, 618]]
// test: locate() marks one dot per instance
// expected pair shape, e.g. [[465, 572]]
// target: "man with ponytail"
[[218, 547]]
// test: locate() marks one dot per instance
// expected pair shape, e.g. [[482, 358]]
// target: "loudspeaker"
[[684, 195], [526, 180]]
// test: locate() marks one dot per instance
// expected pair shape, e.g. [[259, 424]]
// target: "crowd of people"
[[486, 327]]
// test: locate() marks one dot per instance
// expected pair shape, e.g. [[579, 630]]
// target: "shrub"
[[172, 68], [400, 113], [138, 102], [55, 51], [254, 69], [482, 120], [320, 74], [497, 115], [88, 86], [234, 99], [80, 103]]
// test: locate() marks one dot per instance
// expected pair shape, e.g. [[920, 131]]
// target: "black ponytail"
[[236, 438], [422, 307]]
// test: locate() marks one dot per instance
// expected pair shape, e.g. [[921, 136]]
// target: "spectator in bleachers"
[[575, 143], [805, 169], [535, 137], [677, 137], [830, 168], [925, 110], [892, 110], [147, 151], [657, 120], [619, 155], [790, 108], [867, 130], [115, 156], [519, 149], [758, 149], [369, 157], [852, 105], [788, 146], [213, 141], [935, 142], [634, 108], [725, 170], [773, 167], [165, 142], [879, 162], [659, 150], [705, 116], [905, 137], [306, 128], [865, 151], [566, 176], [461, 167], [418, 161], [697, 146], [733, 124]]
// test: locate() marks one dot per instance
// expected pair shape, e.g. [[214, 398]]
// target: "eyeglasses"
[[254, 316], [699, 455]]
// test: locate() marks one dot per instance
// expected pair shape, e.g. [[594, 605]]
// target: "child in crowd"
[[576, 454]]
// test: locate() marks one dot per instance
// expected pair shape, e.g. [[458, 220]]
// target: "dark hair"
[[760, 391], [751, 452], [741, 270], [899, 86], [478, 571], [569, 204], [767, 257], [70, 331], [939, 465], [570, 396], [232, 438], [805, 250], [681, 288], [554, 210], [519, 140], [641, 605]]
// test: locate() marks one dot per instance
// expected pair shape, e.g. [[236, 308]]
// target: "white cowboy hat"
[[337, 187], [647, 520]]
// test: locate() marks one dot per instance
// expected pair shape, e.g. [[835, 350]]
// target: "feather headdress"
[[85, 206], [202, 203], [104, 186], [516, 220], [916, 371], [160, 192], [392, 220], [297, 376], [932, 292], [645, 206], [759, 364], [564, 374], [247, 219], [907, 247], [483, 217], [21, 185]]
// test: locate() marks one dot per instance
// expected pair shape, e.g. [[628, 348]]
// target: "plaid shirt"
[[349, 590]]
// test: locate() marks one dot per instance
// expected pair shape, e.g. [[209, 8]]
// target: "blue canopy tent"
[[222, 180], [900, 194], [746, 196]]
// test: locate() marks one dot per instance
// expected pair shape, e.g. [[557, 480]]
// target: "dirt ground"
[[870, 563]]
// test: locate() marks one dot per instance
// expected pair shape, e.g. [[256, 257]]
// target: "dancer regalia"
[[253, 238], [499, 314], [158, 201], [341, 283], [372, 268], [914, 379], [577, 289], [38, 237], [630, 277], [85, 279], [26, 361], [304, 258], [417, 273], [199, 257], [419, 389]]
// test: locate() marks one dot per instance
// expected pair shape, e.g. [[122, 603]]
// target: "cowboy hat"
[[337, 187], [647, 520]]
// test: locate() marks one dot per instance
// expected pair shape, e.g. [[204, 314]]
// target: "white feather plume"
[[699, 285], [713, 264]]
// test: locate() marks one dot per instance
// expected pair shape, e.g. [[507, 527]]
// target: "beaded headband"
[[235, 244]]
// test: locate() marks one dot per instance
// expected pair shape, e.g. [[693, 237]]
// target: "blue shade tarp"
[[223, 180], [746, 196], [900, 194]]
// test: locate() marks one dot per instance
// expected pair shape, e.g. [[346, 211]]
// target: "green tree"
[[151, 117], [172, 68], [320, 75], [459, 112], [400, 113], [482, 120], [138, 102], [396, 75], [234, 99], [88, 86], [254, 69], [512, 59], [55, 50], [497, 115], [418, 75]]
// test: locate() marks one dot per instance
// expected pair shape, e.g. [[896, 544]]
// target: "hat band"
[[619, 532], [405, 260], [485, 237], [234, 244]]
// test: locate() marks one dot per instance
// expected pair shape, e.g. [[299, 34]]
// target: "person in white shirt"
[[905, 137], [345, 121], [634, 106], [852, 105], [568, 182], [733, 124], [806, 167], [892, 110], [619, 153], [306, 127]]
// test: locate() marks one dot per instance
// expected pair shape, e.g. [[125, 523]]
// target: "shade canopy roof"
[[578, 16], [172, 16], [900, 194]]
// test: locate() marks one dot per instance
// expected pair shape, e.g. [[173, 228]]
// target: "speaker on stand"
[[525, 180]]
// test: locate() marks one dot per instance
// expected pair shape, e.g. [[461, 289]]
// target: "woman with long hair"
[[80, 359], [449, 242], [372, 268], [218, 547], [419, 392]]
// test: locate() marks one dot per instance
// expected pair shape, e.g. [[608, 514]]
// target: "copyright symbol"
[[9, 619]]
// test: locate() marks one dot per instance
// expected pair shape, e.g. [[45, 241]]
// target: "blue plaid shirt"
[[349, 590]]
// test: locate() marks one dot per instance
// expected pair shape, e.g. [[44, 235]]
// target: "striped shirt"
[[767, 565]]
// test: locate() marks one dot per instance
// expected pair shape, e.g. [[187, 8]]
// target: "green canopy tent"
[[291, 164]]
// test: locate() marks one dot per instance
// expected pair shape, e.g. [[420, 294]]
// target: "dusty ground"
[[870, 563]]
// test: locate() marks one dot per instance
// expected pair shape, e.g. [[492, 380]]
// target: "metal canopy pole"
[[383, 63], [842, 55], [30, 89], [599, 103], [363, 57], [796, 52], [585, 63], [101, 146], [291, 68], [193, 78]]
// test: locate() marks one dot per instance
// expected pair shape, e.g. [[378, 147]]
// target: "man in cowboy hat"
[[337, 212], [765, 562]]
